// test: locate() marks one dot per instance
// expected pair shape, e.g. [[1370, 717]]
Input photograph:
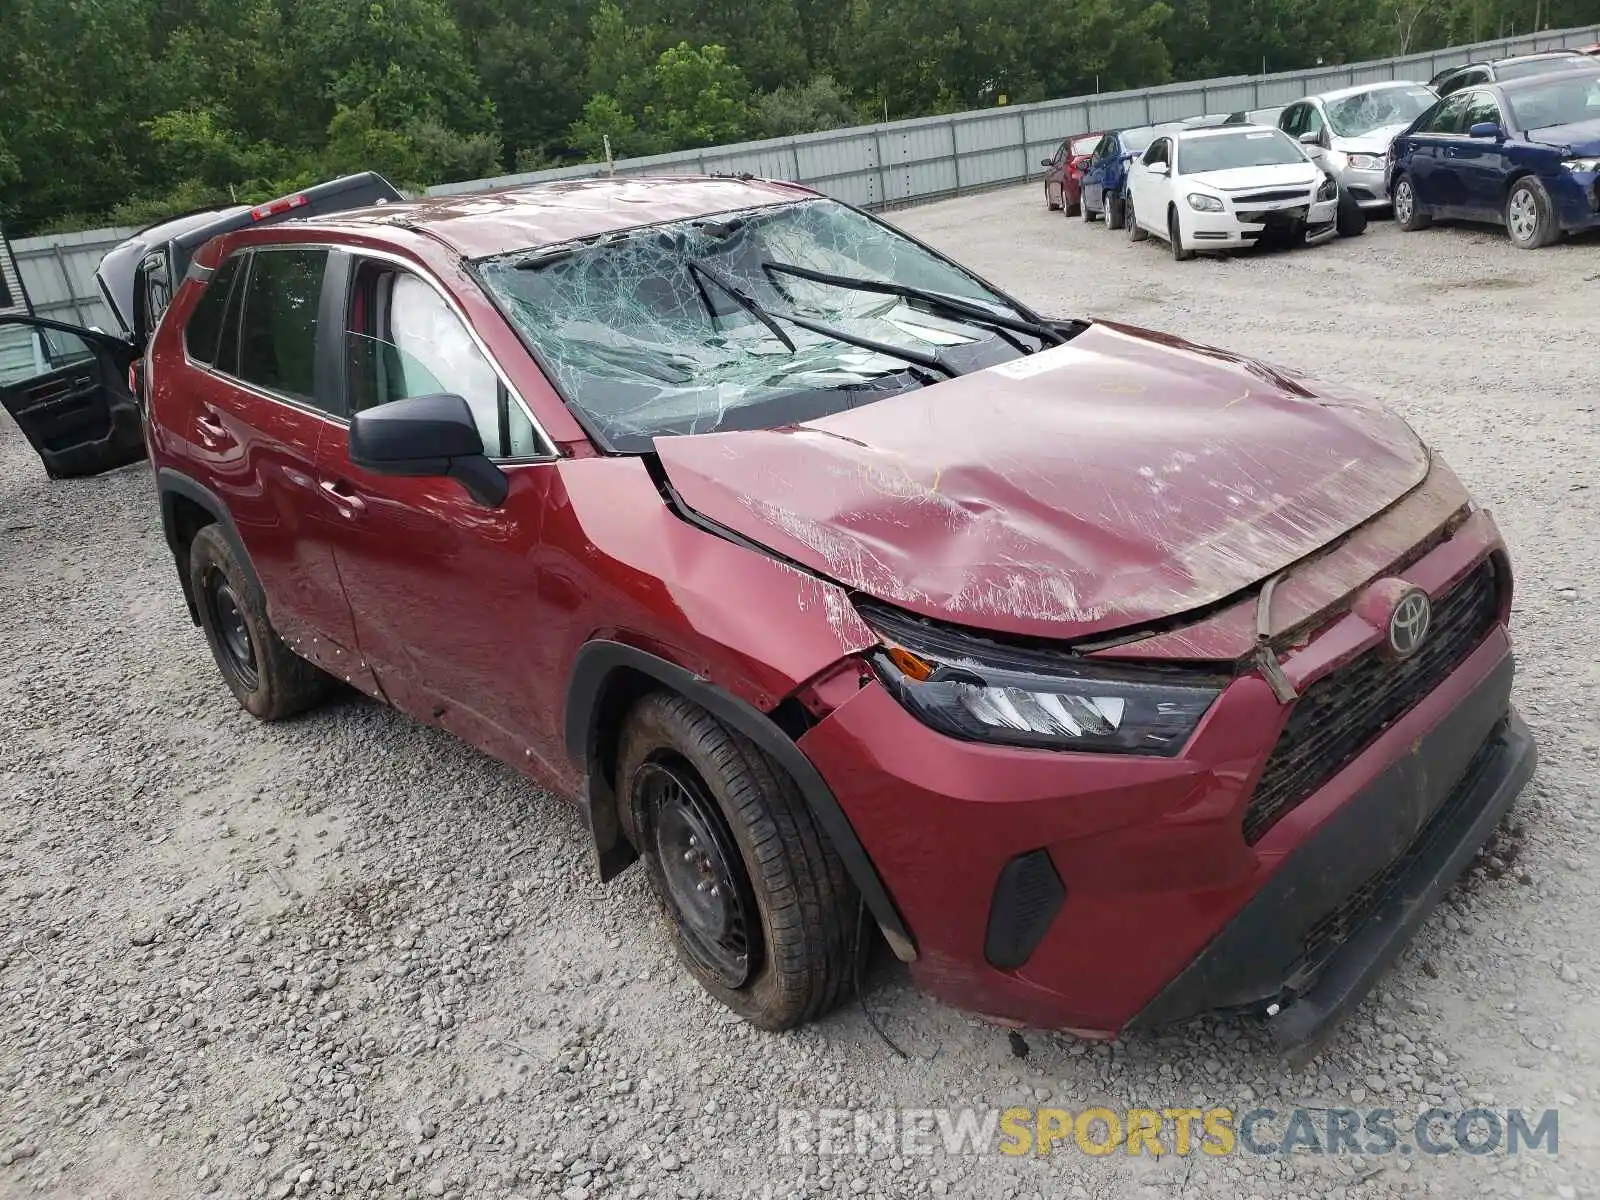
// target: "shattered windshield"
[[1355, 115], [680, 328]]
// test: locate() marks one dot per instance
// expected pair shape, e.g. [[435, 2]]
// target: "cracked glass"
[[642, 333]]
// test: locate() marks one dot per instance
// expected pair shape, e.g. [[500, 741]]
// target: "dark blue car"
[[1524, 153], [1106, 176]]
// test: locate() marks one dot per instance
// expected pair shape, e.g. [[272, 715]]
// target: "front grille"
[[1274, 218], [1334, 928], [1340, 714], [1269, 197]]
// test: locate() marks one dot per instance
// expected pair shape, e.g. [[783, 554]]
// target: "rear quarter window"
[[204, 329], [278, 327]]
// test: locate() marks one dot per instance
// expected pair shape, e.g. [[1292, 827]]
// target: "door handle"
[[345, 500], [213, 433]]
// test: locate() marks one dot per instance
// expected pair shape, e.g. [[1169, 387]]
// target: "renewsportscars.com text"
[[1096, 1131]]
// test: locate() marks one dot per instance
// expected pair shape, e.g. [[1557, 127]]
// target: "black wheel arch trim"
[[172, 483], [596, 664]]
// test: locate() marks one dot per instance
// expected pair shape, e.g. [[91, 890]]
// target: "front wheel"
[[1180, 252], [1050, 199], [1530, 217], [1350, 218], [1408, 212], [1116, 212], [1136, 232], [761, 909]]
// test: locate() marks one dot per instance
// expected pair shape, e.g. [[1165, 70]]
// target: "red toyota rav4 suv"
[[1118, 679]]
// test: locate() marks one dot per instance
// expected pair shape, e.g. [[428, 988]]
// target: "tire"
[[1180, 253], [1088, 213], [1350, 219], [1116, 212], [772, 874], [1530, 217], [1136, 232], [269, 680], [1072, 209], [1408, 212], [1049, 202]]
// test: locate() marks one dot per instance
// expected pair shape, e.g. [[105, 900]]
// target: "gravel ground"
[[347, 955]]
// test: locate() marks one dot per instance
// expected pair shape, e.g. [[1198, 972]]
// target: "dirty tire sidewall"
[[284, 683], [1351, 219], [1136, 231], [1175, 239], [806, 903], [1116, 212]]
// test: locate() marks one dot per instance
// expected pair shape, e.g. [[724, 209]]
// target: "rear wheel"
[[1530, 217], [1088, 213], [1050, 200], [763, 913], [1136, 232], [1175, 238], [269, 680], [1071, 208], [1408, 212], [1116, 212]]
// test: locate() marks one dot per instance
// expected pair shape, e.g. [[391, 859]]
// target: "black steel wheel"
[[762, 911], [707, 893], [238, 652], [267, 678]]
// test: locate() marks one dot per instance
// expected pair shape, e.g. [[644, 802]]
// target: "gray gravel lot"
[[347, 955]]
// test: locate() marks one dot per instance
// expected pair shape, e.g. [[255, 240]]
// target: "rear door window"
[[204, 330], [278, 325], [1447, 117]]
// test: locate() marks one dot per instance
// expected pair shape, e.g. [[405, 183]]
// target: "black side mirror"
[[424, 436], [1047, 162]]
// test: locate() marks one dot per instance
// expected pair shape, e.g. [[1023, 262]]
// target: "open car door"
[[67, 389]]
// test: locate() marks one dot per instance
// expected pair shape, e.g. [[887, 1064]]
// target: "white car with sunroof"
[[1227, 187]]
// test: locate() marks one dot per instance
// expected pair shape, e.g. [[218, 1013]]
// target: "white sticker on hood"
[[1034, 364]]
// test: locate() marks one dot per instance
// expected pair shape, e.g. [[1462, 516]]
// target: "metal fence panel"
[[898, 162]]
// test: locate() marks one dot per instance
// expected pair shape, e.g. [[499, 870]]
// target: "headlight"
[[1328, 189], [1071, 708], [1581, 164], [1204, 203], [1366, 162]]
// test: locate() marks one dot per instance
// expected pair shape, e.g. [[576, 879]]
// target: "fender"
[[595, 668], [171, 483]]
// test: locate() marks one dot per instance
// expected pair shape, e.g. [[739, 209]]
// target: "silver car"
[[1349, 131]]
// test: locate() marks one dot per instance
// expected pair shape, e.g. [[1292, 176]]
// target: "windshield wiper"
[[975, 313], [740, 297], [767, 317]]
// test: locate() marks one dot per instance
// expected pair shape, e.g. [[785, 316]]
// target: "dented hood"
[[1116, 480]]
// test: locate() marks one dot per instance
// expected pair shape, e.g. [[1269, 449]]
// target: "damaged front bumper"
[[1311, 943], [1099, 892]]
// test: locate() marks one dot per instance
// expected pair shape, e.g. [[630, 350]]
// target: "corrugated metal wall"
[[875, 166]]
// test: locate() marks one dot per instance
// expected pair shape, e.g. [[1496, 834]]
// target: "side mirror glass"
[[427, 436], [1485, 129]]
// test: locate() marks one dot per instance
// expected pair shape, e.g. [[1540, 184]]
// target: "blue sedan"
[[1524, 153], [1105, 179]]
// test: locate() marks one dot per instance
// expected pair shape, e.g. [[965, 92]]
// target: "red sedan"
[[1063, 175]]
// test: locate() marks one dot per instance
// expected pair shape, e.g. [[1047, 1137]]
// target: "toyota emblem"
[[1408, 624]]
